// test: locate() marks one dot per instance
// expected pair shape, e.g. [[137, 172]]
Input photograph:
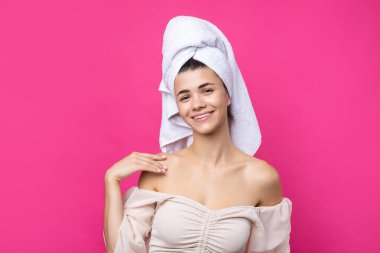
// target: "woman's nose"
[[197, 101]]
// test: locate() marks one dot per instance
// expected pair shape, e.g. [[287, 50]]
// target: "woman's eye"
[[185, 97]]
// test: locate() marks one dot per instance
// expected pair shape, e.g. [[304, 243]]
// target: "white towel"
[[188, 37]]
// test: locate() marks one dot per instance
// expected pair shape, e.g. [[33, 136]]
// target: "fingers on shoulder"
[[165, 157], [163, 154]]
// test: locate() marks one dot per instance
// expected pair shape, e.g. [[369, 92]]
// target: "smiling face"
[[201, 91]]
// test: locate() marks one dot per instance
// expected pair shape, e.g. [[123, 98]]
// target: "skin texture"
[[212, 171]]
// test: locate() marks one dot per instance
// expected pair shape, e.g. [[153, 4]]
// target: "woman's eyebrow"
[[199, 87]]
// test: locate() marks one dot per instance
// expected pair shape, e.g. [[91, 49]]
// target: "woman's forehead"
[[193, 78]]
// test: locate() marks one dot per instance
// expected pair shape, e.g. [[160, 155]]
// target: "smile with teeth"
[[202, 117]]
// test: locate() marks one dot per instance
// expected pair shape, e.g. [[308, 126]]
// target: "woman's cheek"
[[182, 111]]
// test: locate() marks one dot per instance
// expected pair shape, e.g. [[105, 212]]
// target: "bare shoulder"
[[151, 180], [265, 181]]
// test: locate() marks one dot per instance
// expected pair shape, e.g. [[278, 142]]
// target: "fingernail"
[[164, 156]]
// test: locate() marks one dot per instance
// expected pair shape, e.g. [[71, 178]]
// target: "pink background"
[[79, 91]]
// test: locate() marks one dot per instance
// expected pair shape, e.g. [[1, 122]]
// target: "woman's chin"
[[205, 129]]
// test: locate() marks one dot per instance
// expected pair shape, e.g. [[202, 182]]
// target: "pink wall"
[[79, 91]]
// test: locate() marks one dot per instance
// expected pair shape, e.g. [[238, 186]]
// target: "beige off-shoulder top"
[[162, 222]]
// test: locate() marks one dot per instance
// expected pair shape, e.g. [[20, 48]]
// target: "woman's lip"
[[204, 118]]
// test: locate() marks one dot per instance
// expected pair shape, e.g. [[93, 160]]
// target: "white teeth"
[[201, 116]]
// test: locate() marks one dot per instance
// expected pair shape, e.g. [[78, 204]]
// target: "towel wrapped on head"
[[188, 37]]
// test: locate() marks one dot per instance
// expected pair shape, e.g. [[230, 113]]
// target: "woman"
[[207, 193]]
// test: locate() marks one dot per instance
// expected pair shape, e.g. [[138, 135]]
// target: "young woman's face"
[[201, 91]]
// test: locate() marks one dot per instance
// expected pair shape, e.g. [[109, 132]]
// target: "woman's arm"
[[114, 206], [113, 213]]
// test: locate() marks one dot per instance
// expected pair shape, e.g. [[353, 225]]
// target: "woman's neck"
[[212, 149]]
